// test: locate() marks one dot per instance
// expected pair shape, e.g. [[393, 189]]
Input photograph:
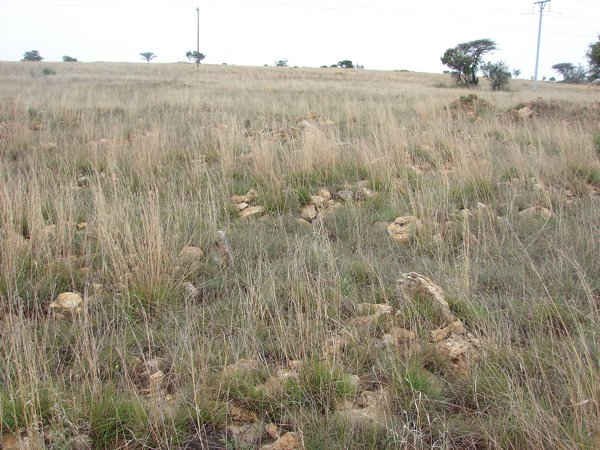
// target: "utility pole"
[[542, 5], [197, 37]]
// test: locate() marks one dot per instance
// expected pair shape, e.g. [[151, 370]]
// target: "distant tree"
[[148, 56], [345, 64], [69, 59], [498, 74], [466, 58], [594, 60], [516, 73], [195, 56], [281, 63], [32, 55], [570, 72]]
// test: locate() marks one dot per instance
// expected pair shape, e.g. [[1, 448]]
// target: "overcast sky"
[[380, 34]]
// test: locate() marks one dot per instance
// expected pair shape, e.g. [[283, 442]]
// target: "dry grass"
[[148, 156]]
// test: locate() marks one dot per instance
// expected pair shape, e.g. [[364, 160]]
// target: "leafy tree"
[[570, 72], [466, 58], [345, 64], [498, 74], [195, 56], [32, 55], [516, 73], [69, 59], [594, 60], [281, 63], [148, 56]]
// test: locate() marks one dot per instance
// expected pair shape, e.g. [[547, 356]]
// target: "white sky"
[[380, 34]]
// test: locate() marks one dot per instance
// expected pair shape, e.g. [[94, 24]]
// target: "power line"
[[542, 5]]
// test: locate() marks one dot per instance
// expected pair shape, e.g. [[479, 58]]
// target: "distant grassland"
[[148, 156]]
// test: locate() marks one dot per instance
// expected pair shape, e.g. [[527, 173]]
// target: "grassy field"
[[200, 329]]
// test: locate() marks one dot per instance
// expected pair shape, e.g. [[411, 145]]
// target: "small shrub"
[[47, 71], [498, 75]]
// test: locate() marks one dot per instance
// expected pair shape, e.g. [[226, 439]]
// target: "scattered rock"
[[272, 430], [451, 340], [149, 375], [415, 287], [324, 193], [376, 309], [318, 201], [400, 338], [525, 112], [83, 181], [250, 196], [288, 441], [67, 303], [81, 226], [345, 195], [252, 211], [246, 435], [536, 211], [241, 206], [309, 212], [403, 229], [241, 415], [369, 410]]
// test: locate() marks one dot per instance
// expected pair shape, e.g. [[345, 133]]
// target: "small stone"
[[309, 213], [525, 112], [289, 441], [318, 201], [81, 226], [241, 415], [324, 193], [241, 206], [250, 196], [416, 287], [252, 211], [345, 195], [67, 302], [83, 181], [272, 430], [403, 229], [190, 253]]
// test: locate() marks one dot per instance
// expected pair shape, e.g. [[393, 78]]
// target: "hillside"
[[231, 257]]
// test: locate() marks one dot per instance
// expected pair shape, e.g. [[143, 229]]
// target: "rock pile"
[[244, 204], [404, 229]]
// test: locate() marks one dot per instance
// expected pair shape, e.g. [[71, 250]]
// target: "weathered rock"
[[442, 333], [403, 229], [415, 287], [525, 112], [246, 435], [81, 226], [346, 195], [241, 415], [252, 211], [288, 441], [272, 430], [369, 410], [318, 201], [250, 196], [67, 303], [461, 350], [309, 212], [324, 193], [400, 338], [191, 253], [241, 206], [83, 181], [536, 211], [149, 375]]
